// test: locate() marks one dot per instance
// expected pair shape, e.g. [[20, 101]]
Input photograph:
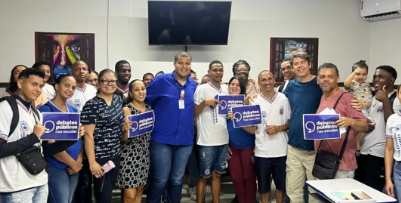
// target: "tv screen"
[[188, 22]]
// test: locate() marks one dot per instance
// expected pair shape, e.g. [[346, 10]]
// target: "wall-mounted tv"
[[188, 22]]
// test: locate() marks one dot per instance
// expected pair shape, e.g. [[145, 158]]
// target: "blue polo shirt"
[[172, 125], [304, 98]]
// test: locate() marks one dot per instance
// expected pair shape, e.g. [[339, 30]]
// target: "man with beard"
[[241, 69], [123, 72], [371, 160], [288, 72]]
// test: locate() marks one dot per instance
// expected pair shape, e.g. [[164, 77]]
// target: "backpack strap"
[[14, 107]]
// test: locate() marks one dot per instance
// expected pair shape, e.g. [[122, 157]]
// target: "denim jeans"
[[31, 195], [397, 178], [61, 185], [167, 165]]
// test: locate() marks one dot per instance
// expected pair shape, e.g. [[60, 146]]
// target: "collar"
[[24, 104], [176, 81], [267, 99]]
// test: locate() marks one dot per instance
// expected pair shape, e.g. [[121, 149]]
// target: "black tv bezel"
[[206, 44]]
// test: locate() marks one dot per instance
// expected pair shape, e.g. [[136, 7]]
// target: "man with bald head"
[[83, 92], [271, 137]]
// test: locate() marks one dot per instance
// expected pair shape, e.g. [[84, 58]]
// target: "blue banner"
[[60, 126], [229, 101], [141, 123], [321, 127], [246, 116]]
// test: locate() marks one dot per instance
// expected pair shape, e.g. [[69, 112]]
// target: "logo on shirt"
[[77, 103], [23, 125], [380, 109], [281, 110]]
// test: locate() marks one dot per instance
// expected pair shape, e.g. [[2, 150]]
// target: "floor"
[[227, 194]]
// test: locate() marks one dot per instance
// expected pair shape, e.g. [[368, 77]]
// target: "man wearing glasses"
[[288, 72]]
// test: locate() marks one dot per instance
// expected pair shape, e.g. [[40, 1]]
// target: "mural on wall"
[[281, 48], [63, 49]]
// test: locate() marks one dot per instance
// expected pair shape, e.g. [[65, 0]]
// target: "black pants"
[[103, 187], [83, 193], [370, 171]]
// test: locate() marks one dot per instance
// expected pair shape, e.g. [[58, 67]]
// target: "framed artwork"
[[281, 48], [63, 49]]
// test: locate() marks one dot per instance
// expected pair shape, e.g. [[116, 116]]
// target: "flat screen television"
[[188, 22]]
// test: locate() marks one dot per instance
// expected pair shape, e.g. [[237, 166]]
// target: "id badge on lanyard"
[[181, 102]]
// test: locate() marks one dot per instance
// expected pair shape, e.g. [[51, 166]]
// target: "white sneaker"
[[192, 193]]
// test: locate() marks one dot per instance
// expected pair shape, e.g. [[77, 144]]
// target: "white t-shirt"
[[393, 131], [274, 112], [81, 96], [375, 142], [14, 176], [212, 127], [49, 91]]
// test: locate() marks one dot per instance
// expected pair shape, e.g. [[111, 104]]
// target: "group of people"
[[189, 133]]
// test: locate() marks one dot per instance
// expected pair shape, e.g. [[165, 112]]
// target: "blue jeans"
[[31, 195], [397, 179], [167, 164], [61, 185]]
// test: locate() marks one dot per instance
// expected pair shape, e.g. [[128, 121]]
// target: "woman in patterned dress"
[[134, 166]]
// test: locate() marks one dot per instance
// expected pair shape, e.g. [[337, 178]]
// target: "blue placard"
[[229, 101], [246, 116], [320, 127], [60, 126], [141, 123]]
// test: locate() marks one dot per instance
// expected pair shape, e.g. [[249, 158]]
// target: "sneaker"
[[192, 193]]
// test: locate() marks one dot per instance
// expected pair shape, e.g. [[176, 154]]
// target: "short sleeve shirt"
[[81, 96], [361, 91], [276, 111], [343, 108], [212, 127], [108, 121], [393, 131]]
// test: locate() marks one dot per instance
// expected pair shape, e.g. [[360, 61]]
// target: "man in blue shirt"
[[304, 95], [171, 98]]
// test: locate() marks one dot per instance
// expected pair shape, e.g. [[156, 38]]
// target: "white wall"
[[385, 45], [343, 37]]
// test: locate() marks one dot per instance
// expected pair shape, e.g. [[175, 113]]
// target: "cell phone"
[[107, 167]]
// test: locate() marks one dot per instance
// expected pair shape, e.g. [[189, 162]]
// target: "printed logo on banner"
[[229, 101], [141, 123], [246, 116], [321, 127], [61, 126]]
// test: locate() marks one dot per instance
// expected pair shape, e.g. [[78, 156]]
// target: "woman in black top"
[[103, 119]]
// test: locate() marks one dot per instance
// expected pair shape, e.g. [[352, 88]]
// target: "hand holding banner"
[[60, 126], [229, 101], [246, 116], [320, 127], [141, 123]]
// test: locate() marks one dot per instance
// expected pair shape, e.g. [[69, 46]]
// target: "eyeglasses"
[[108, 82]]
